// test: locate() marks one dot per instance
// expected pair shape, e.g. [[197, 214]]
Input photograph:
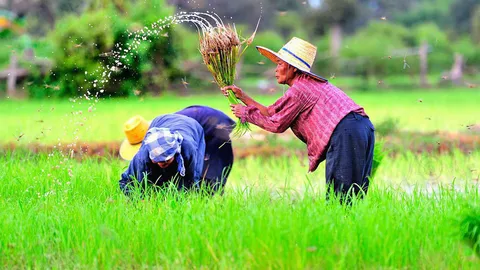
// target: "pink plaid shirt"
[[312, 109]]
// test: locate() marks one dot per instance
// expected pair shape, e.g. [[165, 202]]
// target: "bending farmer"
[[173, 149]]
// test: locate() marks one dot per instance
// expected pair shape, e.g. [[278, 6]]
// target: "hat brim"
[[273, 56], [128, 151]]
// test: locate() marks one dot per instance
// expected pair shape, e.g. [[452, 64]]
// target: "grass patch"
[[53, 121], [60, 213]]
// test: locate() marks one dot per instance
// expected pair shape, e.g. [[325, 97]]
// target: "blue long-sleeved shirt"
[[218, 151], [141, 168]]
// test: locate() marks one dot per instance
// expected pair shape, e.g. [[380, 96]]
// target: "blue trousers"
[[349, 157]]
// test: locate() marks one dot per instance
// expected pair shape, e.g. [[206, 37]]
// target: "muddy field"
[[266, 144]]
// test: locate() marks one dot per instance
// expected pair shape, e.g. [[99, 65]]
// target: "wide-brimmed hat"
[[297, 52], [135, 130]]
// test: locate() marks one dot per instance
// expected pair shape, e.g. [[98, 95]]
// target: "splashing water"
[[83, 107], [203, 21]]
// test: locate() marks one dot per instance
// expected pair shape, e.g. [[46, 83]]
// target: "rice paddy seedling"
[[58, 212], [471, 229]]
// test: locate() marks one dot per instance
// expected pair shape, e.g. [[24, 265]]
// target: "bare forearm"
[[245, 98], [251, 102]]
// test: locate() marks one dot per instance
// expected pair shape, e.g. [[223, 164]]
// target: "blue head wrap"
[[162, 145]]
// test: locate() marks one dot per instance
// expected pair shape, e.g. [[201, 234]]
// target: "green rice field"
[[99, 120], [64, 213]]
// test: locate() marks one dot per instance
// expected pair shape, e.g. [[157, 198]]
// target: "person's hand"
[[236, 90], [237, 109]]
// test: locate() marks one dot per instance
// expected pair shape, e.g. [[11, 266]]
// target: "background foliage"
[[369, 39]]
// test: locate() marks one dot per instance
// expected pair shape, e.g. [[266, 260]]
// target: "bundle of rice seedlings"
[[221, 50]]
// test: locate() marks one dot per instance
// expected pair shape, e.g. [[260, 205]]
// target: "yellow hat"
[[135, 130], [297, 52]]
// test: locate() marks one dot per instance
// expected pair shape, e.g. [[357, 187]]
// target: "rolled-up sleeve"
[[282, 113]]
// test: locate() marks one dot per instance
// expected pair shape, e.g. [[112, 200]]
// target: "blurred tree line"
[[367, 38]]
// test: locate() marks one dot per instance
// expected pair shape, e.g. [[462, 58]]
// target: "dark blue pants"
[[349, 157]]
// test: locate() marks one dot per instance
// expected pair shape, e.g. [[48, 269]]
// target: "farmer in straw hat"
[[190, 147], [332, 125]]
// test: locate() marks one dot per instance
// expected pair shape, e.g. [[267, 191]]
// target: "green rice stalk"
[[471, 229]]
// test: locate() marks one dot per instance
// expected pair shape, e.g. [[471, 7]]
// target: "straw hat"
[[135, 130], [297, 52]]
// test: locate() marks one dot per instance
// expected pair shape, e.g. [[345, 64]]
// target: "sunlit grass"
[[61, 213], [402, 171], [62, 120]]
